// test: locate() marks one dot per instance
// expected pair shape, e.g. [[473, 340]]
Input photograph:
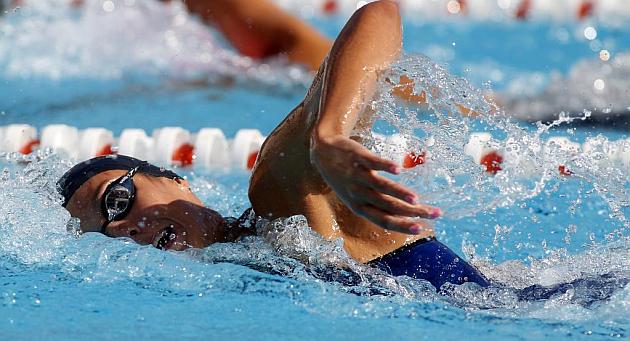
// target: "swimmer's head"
[[121, 196]]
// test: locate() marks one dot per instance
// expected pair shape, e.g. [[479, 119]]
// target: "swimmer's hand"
[[351, 170]]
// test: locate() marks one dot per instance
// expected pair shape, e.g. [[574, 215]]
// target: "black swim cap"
[[84, 171]]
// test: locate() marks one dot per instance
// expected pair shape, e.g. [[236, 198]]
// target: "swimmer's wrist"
[[321, 136], [326, 130]]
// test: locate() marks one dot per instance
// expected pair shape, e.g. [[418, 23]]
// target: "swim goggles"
[[118, 198]]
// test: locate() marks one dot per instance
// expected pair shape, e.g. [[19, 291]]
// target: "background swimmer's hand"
[[351, 170]]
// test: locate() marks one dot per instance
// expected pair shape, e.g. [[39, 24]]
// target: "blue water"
[[55, 285]]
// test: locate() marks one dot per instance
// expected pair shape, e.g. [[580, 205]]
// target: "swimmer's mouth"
[[165, 239]]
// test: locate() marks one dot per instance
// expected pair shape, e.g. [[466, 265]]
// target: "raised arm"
[[369, 42], [260, 29]]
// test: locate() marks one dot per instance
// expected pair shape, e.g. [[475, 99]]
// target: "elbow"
[[382, 9], [384, 15], [382, 20]]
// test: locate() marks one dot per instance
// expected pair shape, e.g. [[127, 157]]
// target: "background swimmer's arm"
[[370, 41], [404, 90], [260, 29]]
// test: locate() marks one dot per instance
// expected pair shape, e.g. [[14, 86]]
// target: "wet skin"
[[164, 213], [309, 165]]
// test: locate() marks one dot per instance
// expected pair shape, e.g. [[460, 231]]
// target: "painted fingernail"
[[415, 229], [411, 199], [394, 169], [436, 212]]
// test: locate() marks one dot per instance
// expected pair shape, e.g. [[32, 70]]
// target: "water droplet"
[[590, 33]]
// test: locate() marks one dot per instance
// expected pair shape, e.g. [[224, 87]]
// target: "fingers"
[[390, 187], [387, 194], [398, 207], [370, 161], [391, 222]]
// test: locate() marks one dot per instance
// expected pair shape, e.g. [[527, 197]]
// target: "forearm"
[[370, 41], [404, 90]]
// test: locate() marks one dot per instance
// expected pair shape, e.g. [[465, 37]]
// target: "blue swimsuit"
[[425, 259], [430, 260]]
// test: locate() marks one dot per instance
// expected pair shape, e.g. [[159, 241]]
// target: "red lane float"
[[463, 7], [183, 155], [567, 148], [586, 9], [330, 7], [245, 148], [522, 11], [492, 161], [481, 149], [173, 146], [413, 159]]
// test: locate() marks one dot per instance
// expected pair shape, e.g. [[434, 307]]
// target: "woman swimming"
[[309, 165], [257, 29]]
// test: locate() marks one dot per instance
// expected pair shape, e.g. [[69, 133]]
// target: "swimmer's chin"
[[193, 226], [195, 230]]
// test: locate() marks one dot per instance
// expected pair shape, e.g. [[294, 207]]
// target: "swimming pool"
[[55, 285]]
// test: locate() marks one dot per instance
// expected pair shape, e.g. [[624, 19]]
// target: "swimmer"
[[309, 165], [260, 29], [257, 29]]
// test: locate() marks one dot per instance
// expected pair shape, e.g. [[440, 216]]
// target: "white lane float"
[[136, 143], [176, 146], [210, 149], [20, 138], [61, 137], [95, 142], [245, 148]]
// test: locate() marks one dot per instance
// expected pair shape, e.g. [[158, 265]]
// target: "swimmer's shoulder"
[[283, 176], [284, 162]]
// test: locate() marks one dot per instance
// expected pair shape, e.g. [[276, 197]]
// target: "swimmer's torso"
[[285, 183]]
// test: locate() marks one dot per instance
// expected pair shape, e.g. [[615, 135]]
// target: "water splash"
[[451, 179], [287, 259], [33, 238]]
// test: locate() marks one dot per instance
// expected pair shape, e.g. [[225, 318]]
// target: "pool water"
[[146, 66]]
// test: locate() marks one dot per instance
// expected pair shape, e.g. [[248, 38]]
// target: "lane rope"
[[210, 149]]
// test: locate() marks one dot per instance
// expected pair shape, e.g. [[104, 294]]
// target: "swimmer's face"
[[164, 212]]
